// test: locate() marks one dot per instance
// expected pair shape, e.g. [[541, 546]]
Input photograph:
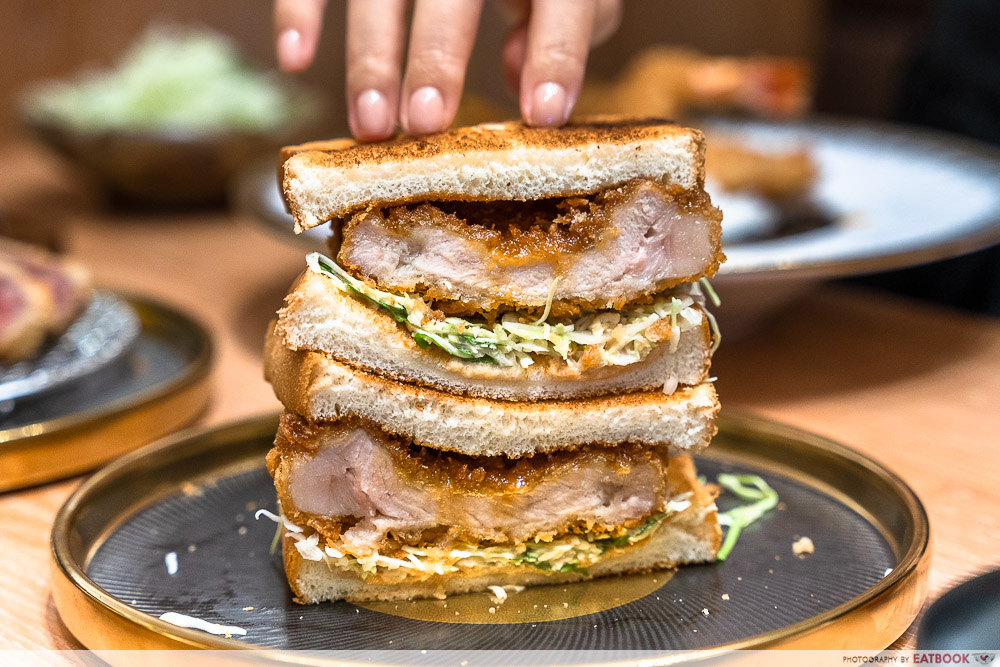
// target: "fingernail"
[[371, 117], [426, 111], [549, 105], [291, 54]]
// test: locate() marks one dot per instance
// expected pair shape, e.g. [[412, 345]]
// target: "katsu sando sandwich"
[[489, 217], [370, 517], [493, 377], [436, 235]]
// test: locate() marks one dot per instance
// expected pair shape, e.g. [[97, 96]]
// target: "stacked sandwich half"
[[494, 376]]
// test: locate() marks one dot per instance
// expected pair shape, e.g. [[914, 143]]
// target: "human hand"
[[544, 57]]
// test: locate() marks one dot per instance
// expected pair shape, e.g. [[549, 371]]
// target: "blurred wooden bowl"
[[170, 167]]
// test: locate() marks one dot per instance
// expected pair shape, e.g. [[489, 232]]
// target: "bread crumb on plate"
[[803, 546]]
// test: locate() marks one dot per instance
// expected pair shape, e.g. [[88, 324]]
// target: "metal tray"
[[195, 495], [157, 387]]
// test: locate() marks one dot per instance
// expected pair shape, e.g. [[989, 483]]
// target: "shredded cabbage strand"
[[747, 487], [607, 338], [710, 291]]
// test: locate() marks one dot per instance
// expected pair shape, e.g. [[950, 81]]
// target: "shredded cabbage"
[[174, 79], [569, 553], [594, 338], [707, 286], [747, 487]]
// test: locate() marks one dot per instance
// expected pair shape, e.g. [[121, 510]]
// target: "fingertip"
[[371, 116], [555, 59], [607, 20], [425, 112], [294, 55], [547, 105]]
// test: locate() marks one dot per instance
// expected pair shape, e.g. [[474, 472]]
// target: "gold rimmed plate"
[[171, 529], [158, 386]]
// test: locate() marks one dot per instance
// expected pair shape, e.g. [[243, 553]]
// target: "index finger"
[[375, 36], [441, 41], [558, 41]]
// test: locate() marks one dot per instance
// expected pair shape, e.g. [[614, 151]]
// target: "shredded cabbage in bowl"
[[174, 79], [594, 338]]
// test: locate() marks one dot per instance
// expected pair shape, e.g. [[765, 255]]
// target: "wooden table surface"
[[912, 385]]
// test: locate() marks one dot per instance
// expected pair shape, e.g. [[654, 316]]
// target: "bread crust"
[[344, 153], [331, 179], [320, 388]]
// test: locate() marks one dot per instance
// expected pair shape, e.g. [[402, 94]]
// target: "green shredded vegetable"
[[631, 537], [762, 499], [175, 78], [618, 339], [710, 291], [275, 539]]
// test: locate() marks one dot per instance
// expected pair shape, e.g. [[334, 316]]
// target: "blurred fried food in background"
[[734, 167], [40, 295], [668, 82]]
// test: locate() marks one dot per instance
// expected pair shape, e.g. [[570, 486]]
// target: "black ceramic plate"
[[965, 618], [102, 333], [195, 498], [156, 386]]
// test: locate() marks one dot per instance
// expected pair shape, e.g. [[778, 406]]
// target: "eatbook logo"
[[985, 658]]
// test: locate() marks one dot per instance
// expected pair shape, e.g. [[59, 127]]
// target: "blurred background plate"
[[195, 495], [892, 196], [256, 192], [103, 332], [158, 386], [886, 197], [967, 616]]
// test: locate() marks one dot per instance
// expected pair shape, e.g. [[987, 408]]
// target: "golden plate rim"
[[186, 394], [73, 589]]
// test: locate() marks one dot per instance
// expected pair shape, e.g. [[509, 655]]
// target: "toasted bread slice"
[[498, 161], [690, 536], [319, 317], [320, 388]]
